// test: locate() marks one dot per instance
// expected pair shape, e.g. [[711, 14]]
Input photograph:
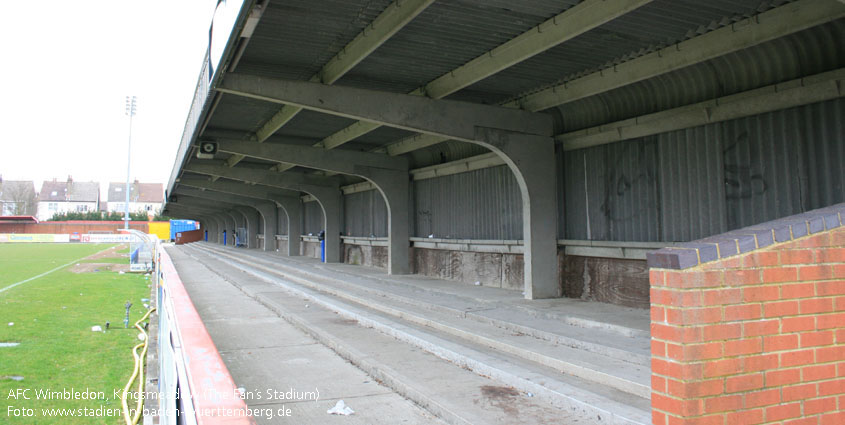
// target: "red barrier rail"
[[213, 391]]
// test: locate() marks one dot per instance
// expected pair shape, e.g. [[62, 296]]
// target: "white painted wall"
[[150, 207], [45, 211]]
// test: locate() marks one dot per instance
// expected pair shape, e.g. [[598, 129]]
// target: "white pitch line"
[[48, 272]]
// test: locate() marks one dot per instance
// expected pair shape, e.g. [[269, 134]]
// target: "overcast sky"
[[67, 67]]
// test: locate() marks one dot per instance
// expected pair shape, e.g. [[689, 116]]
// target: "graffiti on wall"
[[743, 169]]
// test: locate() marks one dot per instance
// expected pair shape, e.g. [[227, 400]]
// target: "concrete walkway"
[[281, 368]]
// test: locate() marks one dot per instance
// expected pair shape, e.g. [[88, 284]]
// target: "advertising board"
[[106, 238], [32, 238], [140, 267]]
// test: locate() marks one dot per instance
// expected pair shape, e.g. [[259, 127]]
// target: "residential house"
[[57, 196], [145, 197]]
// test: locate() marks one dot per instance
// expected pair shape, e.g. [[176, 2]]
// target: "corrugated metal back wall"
[[693, 183], [675, 186], [481, 204], [312, 218], [365, 214]]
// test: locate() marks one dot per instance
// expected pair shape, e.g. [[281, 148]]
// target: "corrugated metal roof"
[[443, 37], [298, 32], [295, 38], [384, 135], [773, 62], [646, 29], [241, 113], [313, 125]]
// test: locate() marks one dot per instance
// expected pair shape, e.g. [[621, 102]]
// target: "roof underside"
[[294, 40]]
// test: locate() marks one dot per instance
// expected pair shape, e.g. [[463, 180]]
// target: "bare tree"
[[18, 198]]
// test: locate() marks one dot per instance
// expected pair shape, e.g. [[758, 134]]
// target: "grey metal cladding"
[[676, 186], [312, 218], [709, 179], [480, 204], [692, 189], [365, 214], [621, 198]]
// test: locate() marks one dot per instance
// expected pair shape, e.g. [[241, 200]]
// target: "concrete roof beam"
[[236, 188], [339, 161], [292, 181], [446, 118]]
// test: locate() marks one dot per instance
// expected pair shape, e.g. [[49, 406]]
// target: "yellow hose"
[[137, 371]]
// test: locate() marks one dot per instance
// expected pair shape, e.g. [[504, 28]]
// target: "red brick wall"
[[753, 338], [67, 227]]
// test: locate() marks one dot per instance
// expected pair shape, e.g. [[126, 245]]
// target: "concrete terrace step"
[[614, 341], [625, 321], [450, 392], [596, 403], [595, 366], [589, 366]]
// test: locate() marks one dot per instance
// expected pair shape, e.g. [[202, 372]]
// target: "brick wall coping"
[[739, 241]]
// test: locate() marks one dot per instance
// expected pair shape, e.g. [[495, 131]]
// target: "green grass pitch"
[[52, 317]]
